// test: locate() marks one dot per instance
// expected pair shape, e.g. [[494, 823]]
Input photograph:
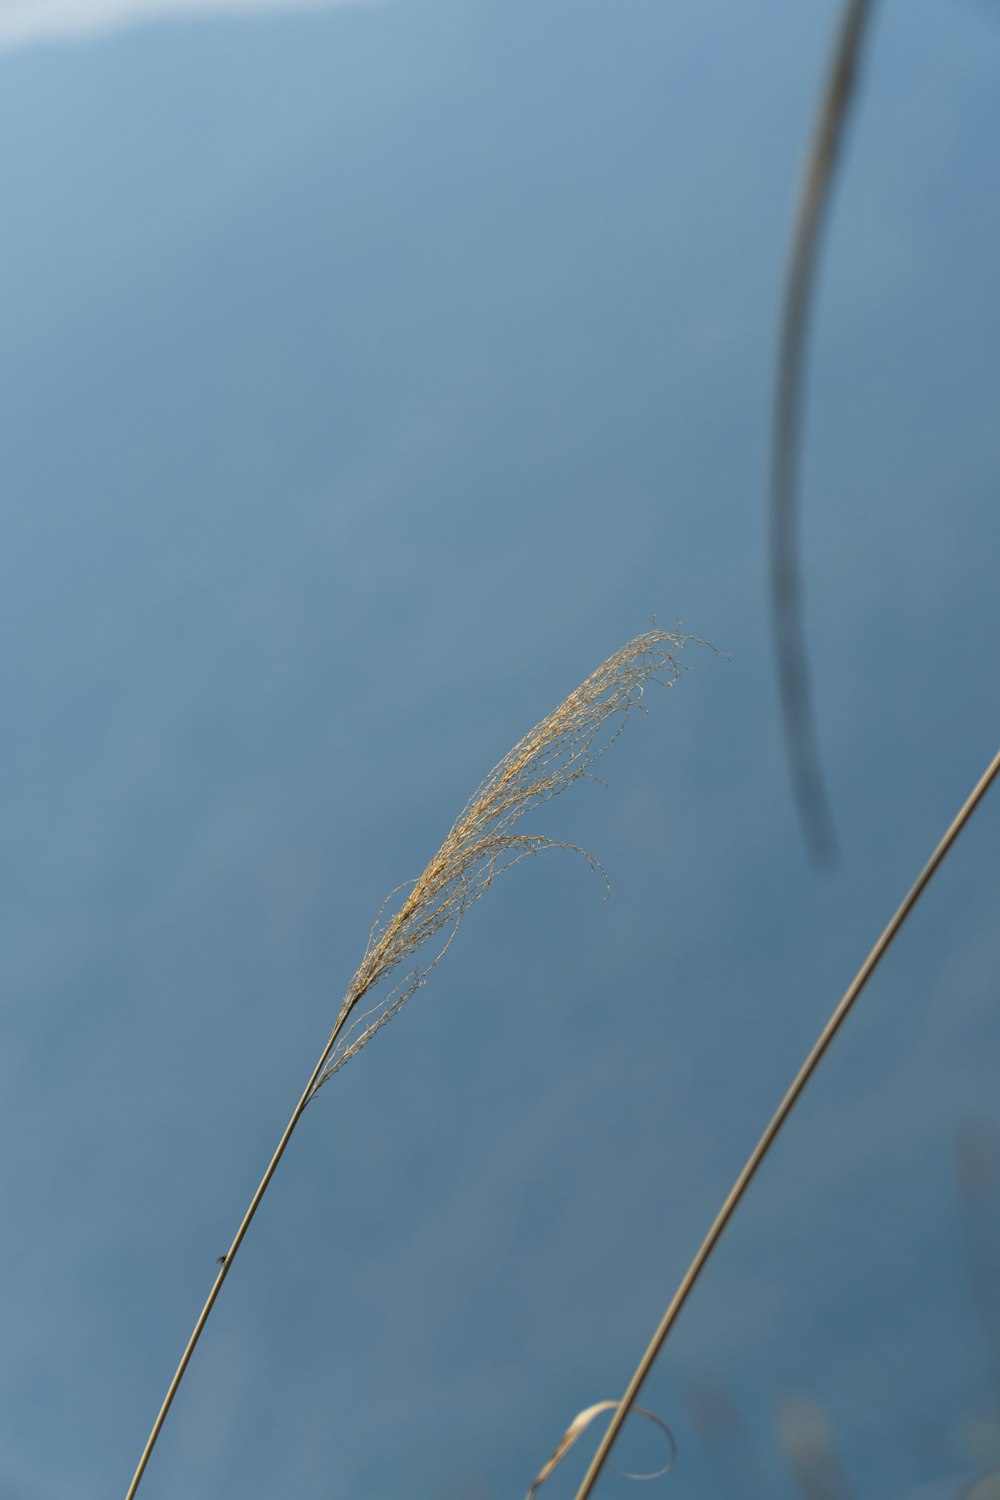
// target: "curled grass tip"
[[580, 1423]]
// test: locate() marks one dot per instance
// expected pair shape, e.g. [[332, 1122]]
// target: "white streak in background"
[[26, 23]]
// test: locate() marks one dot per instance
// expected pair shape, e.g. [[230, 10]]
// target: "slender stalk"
[[789, 636], [230, 1255], [480, 844], [780, 1116]]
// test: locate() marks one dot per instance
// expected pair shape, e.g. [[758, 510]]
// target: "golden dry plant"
[[482, 842], [560, 750]]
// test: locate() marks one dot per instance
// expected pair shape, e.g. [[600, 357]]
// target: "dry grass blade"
[[580, 1423], [780, 1116], [789, 635], [482, 842]]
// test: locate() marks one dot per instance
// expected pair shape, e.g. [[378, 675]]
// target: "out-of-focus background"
[[368, 373]]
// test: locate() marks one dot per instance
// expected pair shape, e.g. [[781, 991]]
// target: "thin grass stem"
[[481, 843], [228, 1260], [789, 636], [784, 1109]]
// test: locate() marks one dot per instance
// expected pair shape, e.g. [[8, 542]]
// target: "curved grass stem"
[[784, 1109], [786, 607]]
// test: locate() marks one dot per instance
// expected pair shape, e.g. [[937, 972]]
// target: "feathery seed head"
[[482, 841]]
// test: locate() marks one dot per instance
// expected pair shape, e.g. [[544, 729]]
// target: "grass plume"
[[559, 751], [482, 841]]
